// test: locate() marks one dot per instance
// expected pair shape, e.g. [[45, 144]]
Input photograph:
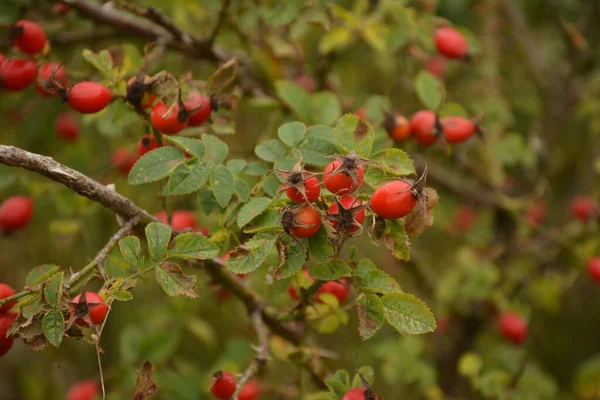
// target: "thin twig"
[[219, 23]]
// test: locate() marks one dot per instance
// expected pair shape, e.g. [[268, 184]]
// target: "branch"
[[220, 20]]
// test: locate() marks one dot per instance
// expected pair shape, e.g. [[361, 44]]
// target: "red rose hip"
[[340, 289], [250, 391], [593, 267], [200, 108], [457, 129], [5, 292], [66, 127], [88, 97], [17, 73], [360, 393], [146, 144], [341, 220], [167, 122], [48, 72], [584, 208], [451, 43], [93, 314], [84, 390], [28, 36], [513, 327], [423, 127], [393, 200], [311, 188], [223, 385], [339, 182], [15, 213]]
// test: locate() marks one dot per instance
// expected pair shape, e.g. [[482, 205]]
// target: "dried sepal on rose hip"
[[301, 186], [138, 93], [301, 221], [88, 309], [344, 174], [347, 215]]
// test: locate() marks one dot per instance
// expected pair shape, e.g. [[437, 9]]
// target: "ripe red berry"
[[536, 213], [350, 221], [250, 391], [451, 43], [436, 65], [394, 200], [137, 93], [45, 74], [306, 222], [311, 188], [223, 385], [423, 127], [513, 327], [398, 127], [464, 218], [584, 208], [593, 267], [93, 314], [200, 108], [15, 213], [170, 123], [5, 292], [88, 97], [360, 393], [146, 144], [60, 8], [84, 390], [340, 182], [123, 160], [66, 127], [180, 219], [17, 73], [457, 129], [28, 36], [340, 289], [6, 343]]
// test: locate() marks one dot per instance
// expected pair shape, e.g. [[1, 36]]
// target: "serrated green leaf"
[[314, 149], [158, 236], [53, 290], [326, 108], [367, 373], [291, 133], [132, 250], [370, 315], [249, 256], [335, 39], [430, 90], [319, 246], [187, 179], [364, 267], [354, 133], [215, 149], [236, 166], [295, 255], [40, 273], [256, 168], [53, 326], [296, 98], [192, 245], [396, 239], [155, 165], [174, 282], [271, 150], [122, 295], [222, 181], [330, 271], [251, 210], [102, 61], [407, 314], [241, 190], [195, 147], [269, 220], [378, 281], [394, 162]]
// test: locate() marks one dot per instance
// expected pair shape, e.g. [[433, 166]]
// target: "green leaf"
[[294, 256], [395, 162], [375, 35], [102, 61], [251, 210], [453, 109], [53, 290], [222, 181], [370, 315], [367, 373], [195, 147], [215, 149], [338, 383], [53, 326], [296, 98], [314, 150], [430, 90], [348, 129], [271, 185], [241, 189], [158, 236], [326, 108], [378, 281], [187, 179], [122, 295], [396, 239], [192, 245], [291, 133], [271, 150], [250, 255], [256, 168], [268, 220], [335, 39], [40, 273], [283, 13], [132, 250], [155, 165], [330, 271], [319, 245], [174, 282], [364, 267], [236, 166], [407, 314]]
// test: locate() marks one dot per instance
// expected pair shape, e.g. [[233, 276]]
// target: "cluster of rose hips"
[[223, 387]]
